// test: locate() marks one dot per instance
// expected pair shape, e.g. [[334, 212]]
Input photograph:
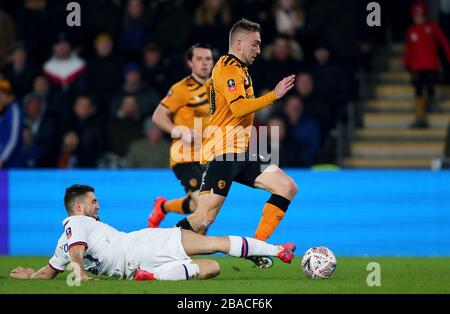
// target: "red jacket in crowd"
[[421, 49]]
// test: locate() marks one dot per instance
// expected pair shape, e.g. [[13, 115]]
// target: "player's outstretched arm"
[[242, 106], [28, 273]]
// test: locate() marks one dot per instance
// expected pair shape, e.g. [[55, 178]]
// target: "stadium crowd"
[[84, 95]]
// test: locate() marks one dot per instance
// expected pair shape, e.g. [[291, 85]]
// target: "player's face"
[[251, 47], [90, 206], [202, 62]]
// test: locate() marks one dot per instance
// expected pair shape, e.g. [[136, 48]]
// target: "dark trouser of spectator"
[[423, 82], [444, 22]]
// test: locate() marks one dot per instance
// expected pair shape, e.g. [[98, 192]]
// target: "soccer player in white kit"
[[147, 254]]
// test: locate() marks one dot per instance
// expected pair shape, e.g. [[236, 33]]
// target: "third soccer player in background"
[[184, 108]]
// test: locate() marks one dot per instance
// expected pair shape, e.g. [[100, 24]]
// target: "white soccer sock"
[[243, 247], [179, 272]]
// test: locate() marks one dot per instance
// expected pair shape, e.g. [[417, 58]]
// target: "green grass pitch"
[[398, 275]]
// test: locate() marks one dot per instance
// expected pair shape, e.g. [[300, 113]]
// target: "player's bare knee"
[[293, 187], [287, 187]]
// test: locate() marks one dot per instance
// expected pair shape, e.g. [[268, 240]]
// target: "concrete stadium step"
[[369, 134], [399, 105], [402, 120], [397, 47], [430, 149], [381, 163], [394, 77], [399, 91], [395, 63]]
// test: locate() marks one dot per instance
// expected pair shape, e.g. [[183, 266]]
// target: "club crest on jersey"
[[193, 182], [69, 232], [221, 184], [231, 85]]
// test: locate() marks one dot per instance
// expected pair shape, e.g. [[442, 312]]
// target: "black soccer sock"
[[184, 224]]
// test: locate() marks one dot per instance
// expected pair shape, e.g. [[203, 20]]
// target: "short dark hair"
[[190, 51], [74, 191], [243, 25]]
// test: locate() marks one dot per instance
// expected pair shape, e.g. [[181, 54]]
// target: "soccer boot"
[[262, 262], [157, 214], [287, 253], [142, 275]]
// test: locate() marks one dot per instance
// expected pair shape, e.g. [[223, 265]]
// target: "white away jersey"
[[119, 254], [105, 246]]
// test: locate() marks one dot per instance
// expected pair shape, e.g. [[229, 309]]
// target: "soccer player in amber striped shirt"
[[184, 113], [227, 158]]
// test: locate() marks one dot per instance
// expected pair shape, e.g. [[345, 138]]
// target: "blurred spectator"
[[421, 58], [67, 157], [10, 128], [96, 23], [135, 32], [65, 71], [34, 28], [444, 22], [329, 83], [125, 127], [342, 26], [19, 71], [84, 143], [156, 69], [103, 72], [313, 105], [288, 151], [146, 96], [37, 133], [151, 151], [7, 35], [173, 24], [212, 23], [52, 102], [289, 17], [282, 59], [304, 130], [261, 12]]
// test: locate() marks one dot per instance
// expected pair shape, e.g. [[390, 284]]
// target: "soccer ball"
[[319, 263]]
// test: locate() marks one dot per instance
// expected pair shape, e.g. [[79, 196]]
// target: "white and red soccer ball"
[[319, 263]]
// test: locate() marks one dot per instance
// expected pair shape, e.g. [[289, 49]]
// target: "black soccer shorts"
[[189, 175], [223, 170]]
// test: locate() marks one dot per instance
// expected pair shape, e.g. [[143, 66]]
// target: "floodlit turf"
[[398, 275]]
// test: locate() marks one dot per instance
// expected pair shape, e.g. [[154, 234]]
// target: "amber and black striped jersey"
[[187, 100], [230, 93]]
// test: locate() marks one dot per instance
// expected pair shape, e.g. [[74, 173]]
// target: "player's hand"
[[83, 276], [21, 273], [284, 86]]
